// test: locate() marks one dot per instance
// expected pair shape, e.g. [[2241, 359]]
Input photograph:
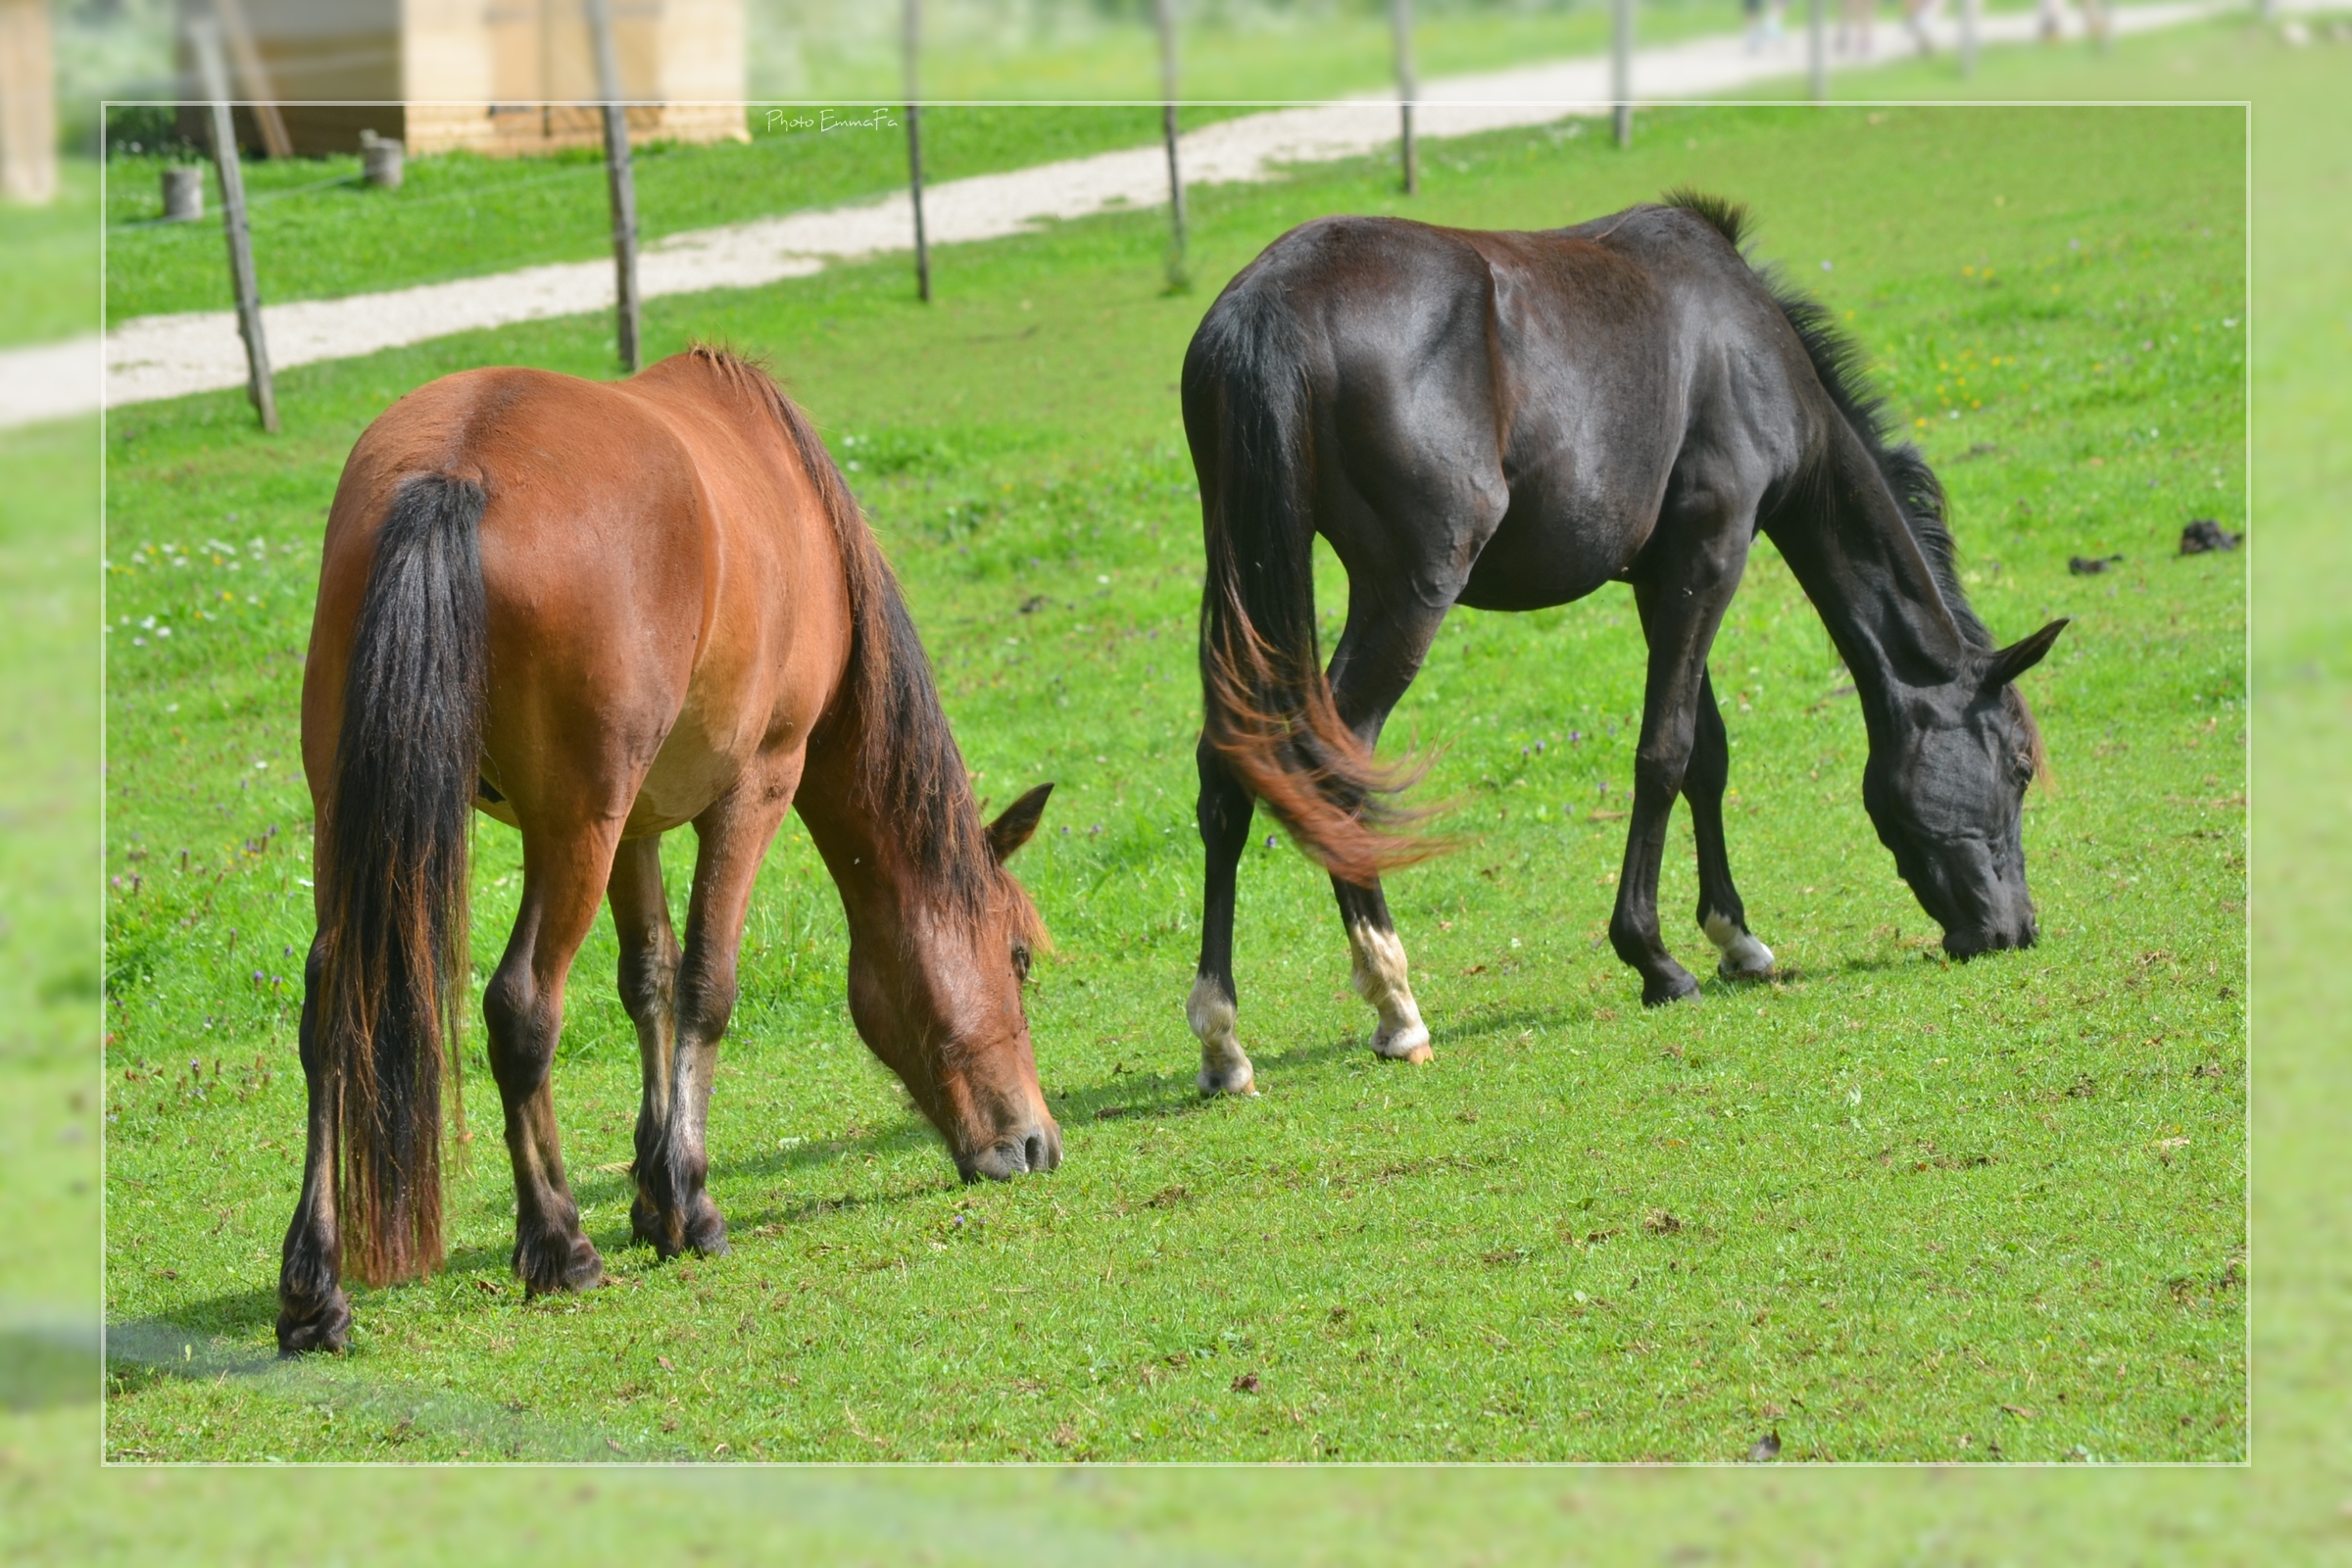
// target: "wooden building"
[[27, 103], [498, 76]]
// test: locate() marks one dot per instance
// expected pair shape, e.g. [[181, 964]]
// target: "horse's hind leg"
[[1721, 915], [673, 1211], [1380, 651], [1224, 819], [564, 879], [1378, 972], [313, 1312]]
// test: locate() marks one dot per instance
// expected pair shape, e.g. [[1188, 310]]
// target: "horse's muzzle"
[[1034, 1148], [1966, 944]]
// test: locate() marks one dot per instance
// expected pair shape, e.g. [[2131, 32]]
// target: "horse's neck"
[[866, 859], [888, 887], [1859, 562]]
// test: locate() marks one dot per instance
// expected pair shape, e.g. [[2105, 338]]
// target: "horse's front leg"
[[675, 1211], [313, 1312], [647, 984], [564, 879], [1721, 915], [1681, 603]]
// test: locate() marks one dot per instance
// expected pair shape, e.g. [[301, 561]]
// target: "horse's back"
[[662, 588], [1518, 400]]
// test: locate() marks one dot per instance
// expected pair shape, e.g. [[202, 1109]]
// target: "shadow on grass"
[[146, 1354], [232, 1315], [1160, 1097], [44, 1366]]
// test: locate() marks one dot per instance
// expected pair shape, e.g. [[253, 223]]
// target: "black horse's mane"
[[1838, 361]]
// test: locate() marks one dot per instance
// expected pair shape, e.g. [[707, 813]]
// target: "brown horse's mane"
[[909, 772]]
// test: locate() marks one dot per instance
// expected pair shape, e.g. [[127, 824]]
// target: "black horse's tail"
[[392, 948], [1268, 709]]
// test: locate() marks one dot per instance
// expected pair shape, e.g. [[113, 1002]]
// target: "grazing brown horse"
[[1509, 420], [597, 611]]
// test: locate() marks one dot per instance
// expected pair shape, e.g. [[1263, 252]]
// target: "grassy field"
[[60, 1508], [52, 253], [1236, 49], [1889, 1209]]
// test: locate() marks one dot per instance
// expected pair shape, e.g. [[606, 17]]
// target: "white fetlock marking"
[[1743, 957], [1379, 978], [1224, 1066]]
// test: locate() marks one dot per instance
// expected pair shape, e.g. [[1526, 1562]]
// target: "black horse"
[[1509, 420]]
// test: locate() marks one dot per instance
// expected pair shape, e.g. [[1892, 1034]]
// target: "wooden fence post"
[[1400, 23], [1817, 50], [203, 35], [912, 44], [255, 76], [1163, 16], [621, 177], [1621, 69]]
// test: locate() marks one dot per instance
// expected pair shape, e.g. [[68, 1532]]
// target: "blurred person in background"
[[1854, 18], [1763, 22], [1916, 14]]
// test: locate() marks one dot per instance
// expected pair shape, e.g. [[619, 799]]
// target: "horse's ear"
[[2019, 657], [1012, 827]]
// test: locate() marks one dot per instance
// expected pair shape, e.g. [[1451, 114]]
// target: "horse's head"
[[942, 1006], [1947, 790]]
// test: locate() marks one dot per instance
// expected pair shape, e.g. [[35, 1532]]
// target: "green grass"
[[61, 1509], [1226, 52], [1881, 1208], [52, 255], [319, 233]]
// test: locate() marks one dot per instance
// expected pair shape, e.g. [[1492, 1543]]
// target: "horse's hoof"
[[544, 1273], [322, 1327], [1405, 1044], [1676, 987], [1743, 957], [1241, 1080], [706, 1231]]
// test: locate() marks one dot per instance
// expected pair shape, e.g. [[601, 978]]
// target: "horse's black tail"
[[392, 871], [1268, 709]]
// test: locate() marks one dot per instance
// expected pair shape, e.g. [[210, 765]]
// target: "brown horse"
[[597, 611]]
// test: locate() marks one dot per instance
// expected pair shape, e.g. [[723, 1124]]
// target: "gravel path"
[[156, 356]]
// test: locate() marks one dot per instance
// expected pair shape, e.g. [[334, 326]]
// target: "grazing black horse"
[[1509, 420]]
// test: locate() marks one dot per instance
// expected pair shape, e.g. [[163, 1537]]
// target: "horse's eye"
[[1020, 960]]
